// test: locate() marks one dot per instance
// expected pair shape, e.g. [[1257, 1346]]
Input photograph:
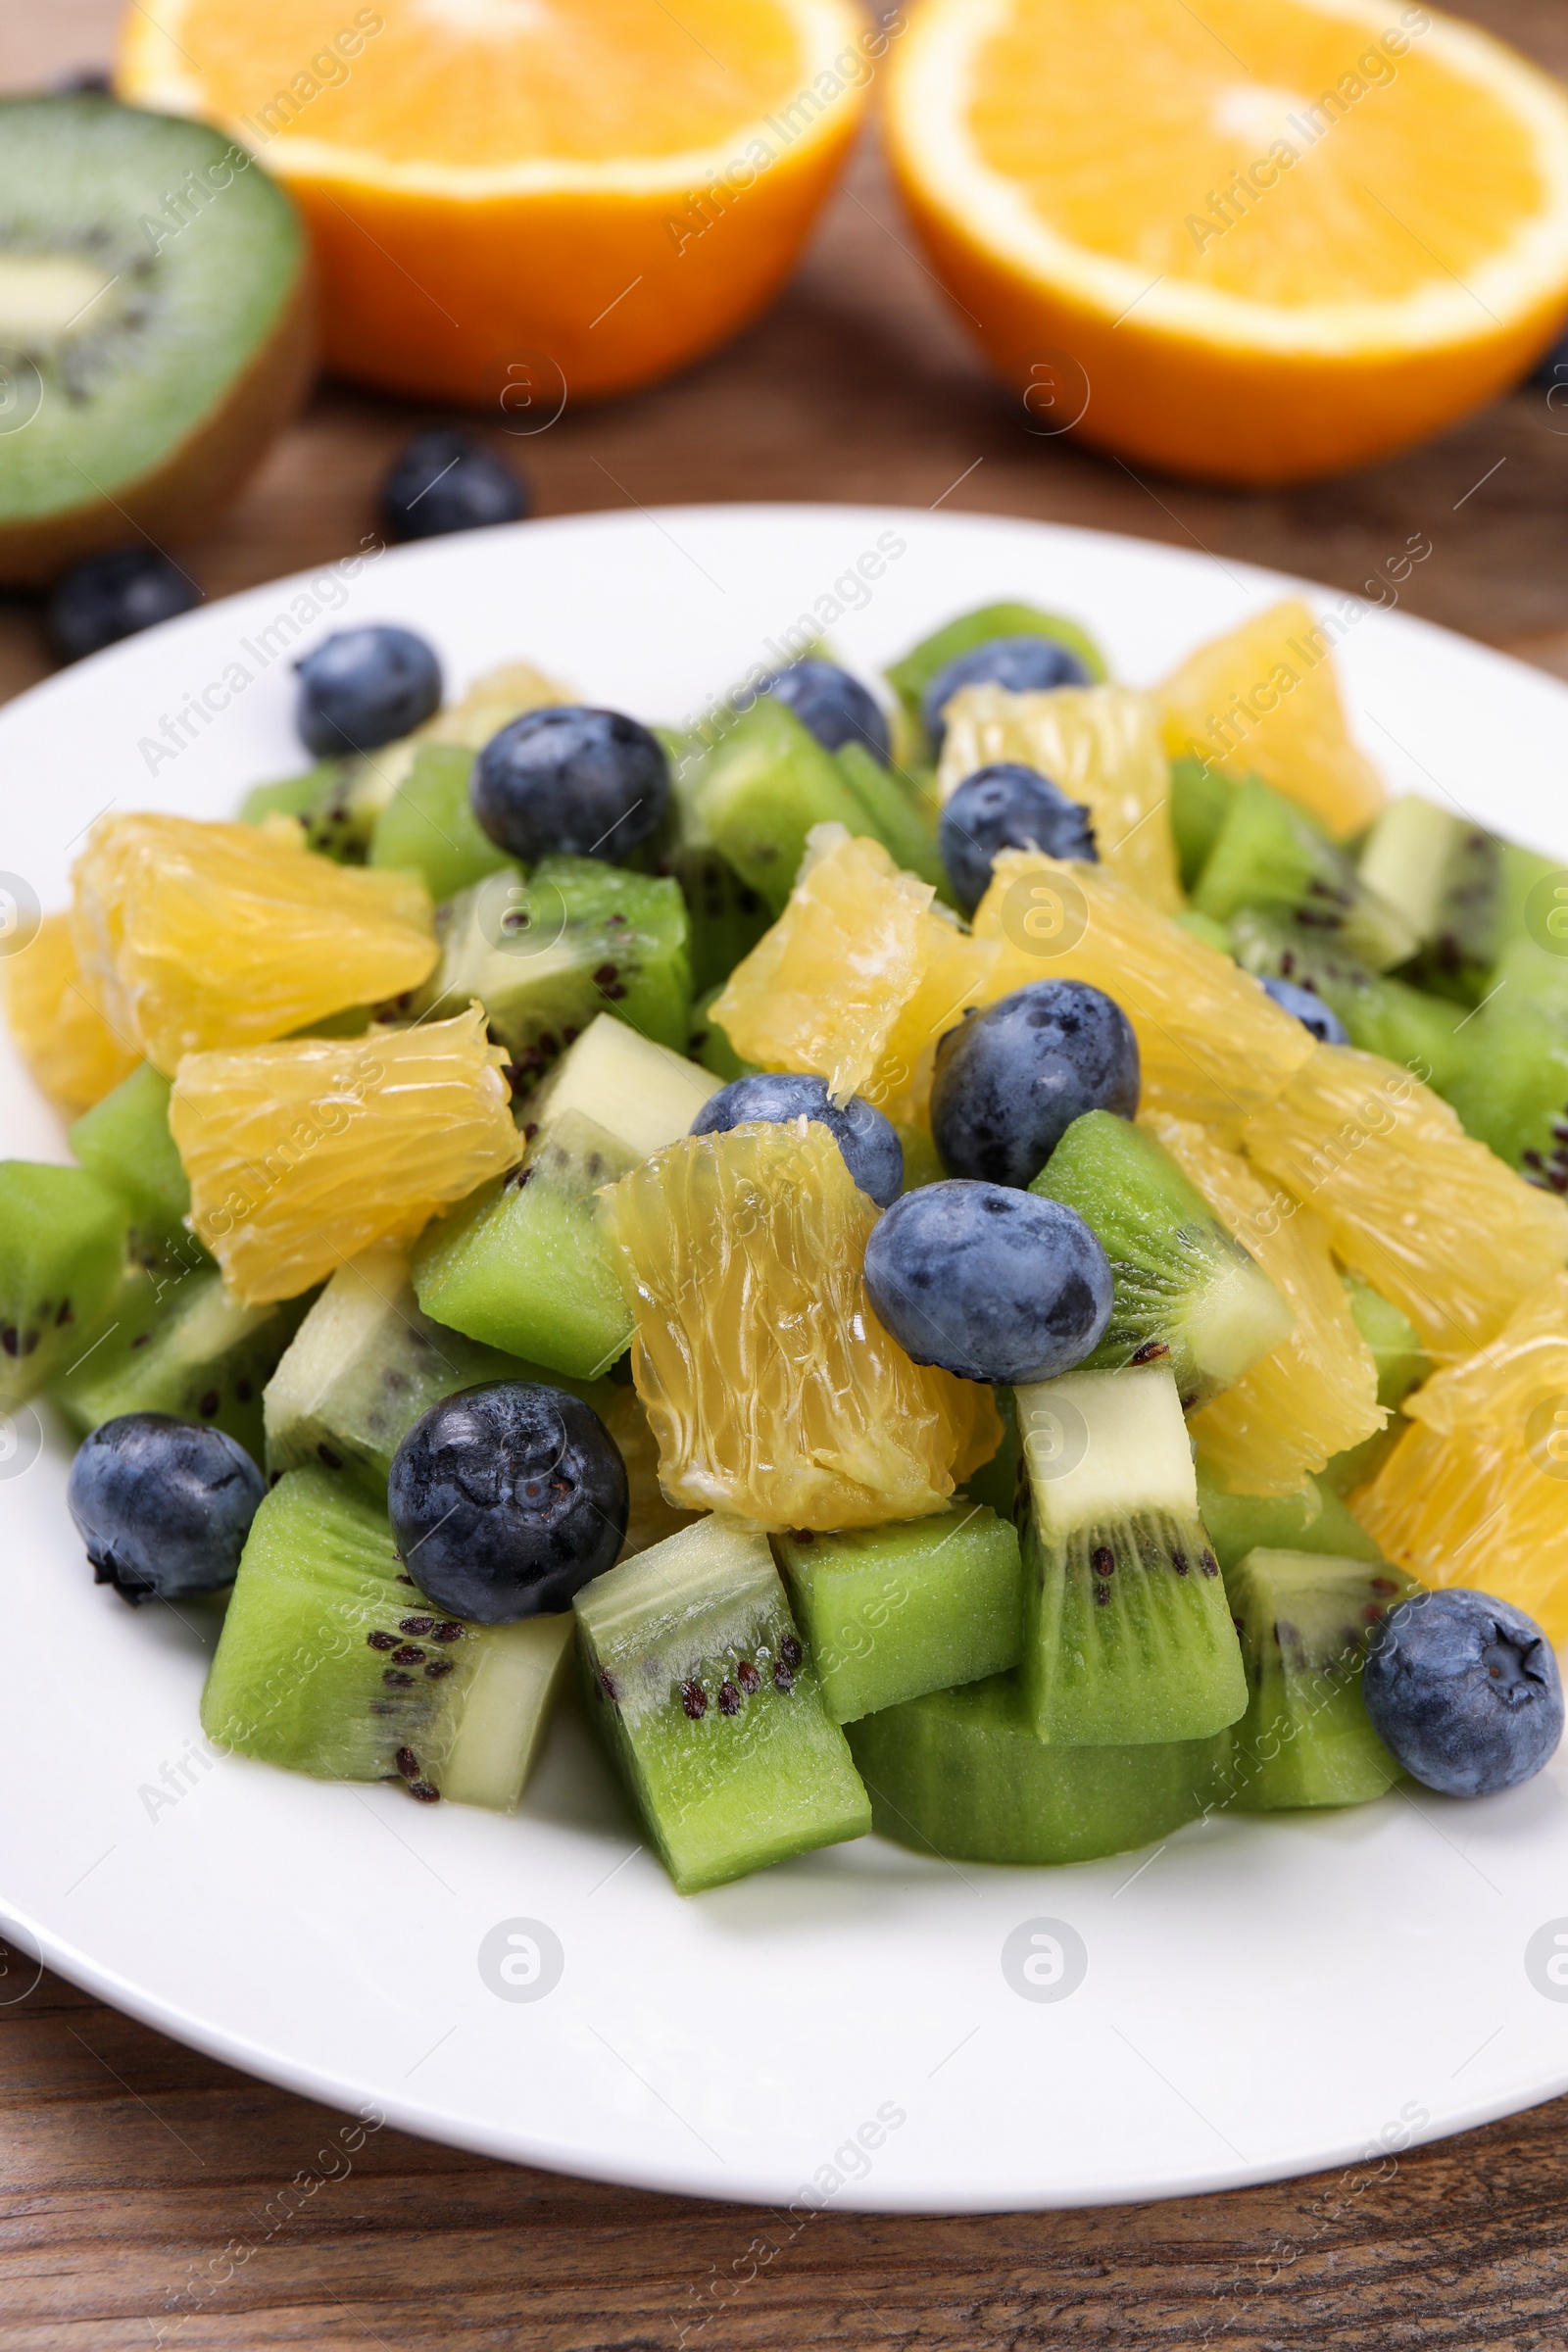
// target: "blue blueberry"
[[572, 782], [1464, 1690], [363, 687], [1007, 806], [164, 1507], [506, 1499], [990, 1284], [833, 707], [1309, 1009], [872, 1151], [112, 596], [447, 480], [1011, 1081], [1022, 665]]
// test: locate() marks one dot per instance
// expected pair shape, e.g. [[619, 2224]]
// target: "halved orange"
[[1253, 241], [519, 202]]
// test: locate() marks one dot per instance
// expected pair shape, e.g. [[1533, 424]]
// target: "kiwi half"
[[156, 325]]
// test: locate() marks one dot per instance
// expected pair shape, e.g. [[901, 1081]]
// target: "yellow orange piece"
[[302, 1153], [1429, 1217], [1476, 1492], [1102, 744], [1264, 701], [1229, 240], [1212, 1043], [823, 989], [775, 1393], [73, 1052], [193, 936], [1317, 1394], [517, 202]]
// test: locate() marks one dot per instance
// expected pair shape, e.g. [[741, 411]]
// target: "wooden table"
[[134, 2174]]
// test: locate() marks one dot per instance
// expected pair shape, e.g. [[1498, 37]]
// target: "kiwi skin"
[[179, 497]]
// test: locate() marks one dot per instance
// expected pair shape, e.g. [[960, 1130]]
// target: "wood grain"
[[144, 2191]]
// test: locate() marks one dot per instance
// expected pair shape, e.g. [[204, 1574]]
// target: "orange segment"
[[73, 1052], [1264, 701], [303, 1153], [193, 935], [775, 1393], [1214, 1045], [1317, 1394], [1233, 240], [1476, 1493], [823, 989], [1429, 1217], [519, 201], [1102, 744]]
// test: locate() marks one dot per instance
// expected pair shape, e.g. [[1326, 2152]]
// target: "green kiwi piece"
[[995, 1483], [1403, 1362], [1199, 799], [1127, 1637], [63, 1241], [1269, 853], [1511, 1089], [1381, 1013], [759, 791], [709, 1044], [1305, 1620], [1187, 1294], [896, 814], [429, 826], [910, 678], [708, 1700], [175, 1342], [890, 1612], [155, 307], [1462, 890], [1204, 927], [523, 1264], [291, 796], [961, 1774], [124, 1141], [1314, 1520], [332, 1662], [547, 953]]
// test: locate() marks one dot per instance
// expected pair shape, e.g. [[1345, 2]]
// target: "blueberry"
[[1007, 806], [991, 1284], [1011, 1081], [833, 707], [1465, 1692], [570, 782], [1309, 1009], [1022, 665], [364, 687], [506, 1499], [447, 480], [164, 1507], [112, 596], [872, 1151]]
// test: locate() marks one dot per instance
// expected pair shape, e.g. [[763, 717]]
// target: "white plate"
[[1262, 1997]]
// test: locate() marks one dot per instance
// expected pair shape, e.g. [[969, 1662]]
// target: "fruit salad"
[[943, 1256]]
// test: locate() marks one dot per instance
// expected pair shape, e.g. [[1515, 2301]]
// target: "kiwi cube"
[[1127, 1637], [429, 826], [726, 915], [62, 1238], [523, 1264], [124, 1141], [176, 1341], [290, 796], [896, 814], [1396, 1343], [1200, 797], [1511, 1086], [332, 1662], [963, 1774], [1187, 1294], [893, 1611], [1314, 1520], [910, 678], [1462, 890], [760, 790], [708, 1698], [545, 954], [1269, 853], [1305, 1620]]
